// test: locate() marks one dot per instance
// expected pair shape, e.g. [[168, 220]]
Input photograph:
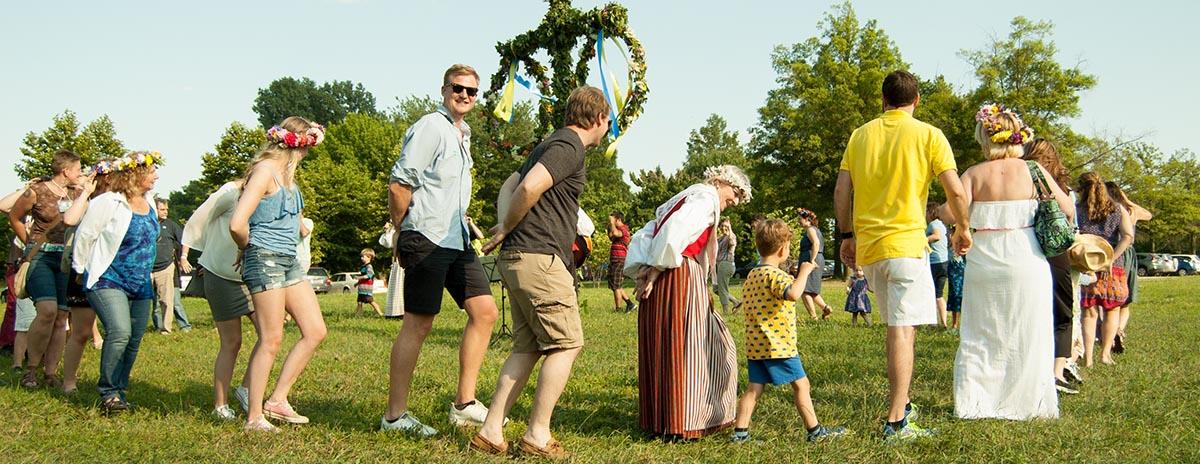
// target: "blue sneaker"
[[909, 433], [822, 432], [739, 438]]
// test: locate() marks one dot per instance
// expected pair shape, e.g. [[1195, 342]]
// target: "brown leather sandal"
[[483, 445], [552, 450]]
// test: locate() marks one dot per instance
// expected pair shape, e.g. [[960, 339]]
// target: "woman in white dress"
[[1006, 349]]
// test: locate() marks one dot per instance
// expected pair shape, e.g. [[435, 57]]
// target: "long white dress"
[[1006, 350]]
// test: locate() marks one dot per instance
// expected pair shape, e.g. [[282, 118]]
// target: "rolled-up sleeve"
[[421, 144]]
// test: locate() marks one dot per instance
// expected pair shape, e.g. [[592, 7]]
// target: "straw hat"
[[1090, 253]]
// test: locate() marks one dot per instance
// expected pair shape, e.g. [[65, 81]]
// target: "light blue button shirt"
[[436, 164]]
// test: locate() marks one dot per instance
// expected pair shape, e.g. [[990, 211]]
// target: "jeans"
[[181, 318], [724, 273], [124, 324]]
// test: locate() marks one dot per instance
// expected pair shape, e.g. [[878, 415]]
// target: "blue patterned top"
[[130, 270]]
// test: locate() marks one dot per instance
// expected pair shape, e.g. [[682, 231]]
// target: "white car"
[[347, 282]]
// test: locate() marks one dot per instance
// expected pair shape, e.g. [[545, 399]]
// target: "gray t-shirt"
[[939, 253], [549, 227]]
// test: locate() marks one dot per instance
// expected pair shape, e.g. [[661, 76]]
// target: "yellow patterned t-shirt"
[[770, 318]]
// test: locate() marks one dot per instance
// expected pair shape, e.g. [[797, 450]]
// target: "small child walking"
[[769, 306], [857, 302], [366, 283]]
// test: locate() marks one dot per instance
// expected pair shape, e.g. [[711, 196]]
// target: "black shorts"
[[429, 268], [940, 276], [364, 298]]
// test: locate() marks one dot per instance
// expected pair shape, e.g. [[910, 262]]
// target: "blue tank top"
[[275, 224], [130, 269]]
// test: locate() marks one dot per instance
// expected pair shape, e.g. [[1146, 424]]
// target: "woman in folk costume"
[[687, 366]]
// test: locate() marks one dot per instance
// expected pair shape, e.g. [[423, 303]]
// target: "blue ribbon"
[[614, 130]]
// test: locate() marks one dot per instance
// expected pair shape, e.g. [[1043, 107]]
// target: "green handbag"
[[1050, 225]]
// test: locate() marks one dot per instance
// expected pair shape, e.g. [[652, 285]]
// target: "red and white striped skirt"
[[687, 366]]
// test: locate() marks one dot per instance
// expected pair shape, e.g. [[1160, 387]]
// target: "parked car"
[[1187, 264], [347, 282], [1155, 264], [318, 277]]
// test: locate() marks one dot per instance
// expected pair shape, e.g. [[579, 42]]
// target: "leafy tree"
[[828, 86], [229, 157], [327, 104], [96, 140]]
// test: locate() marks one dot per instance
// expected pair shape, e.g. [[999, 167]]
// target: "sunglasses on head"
[[471, 91]]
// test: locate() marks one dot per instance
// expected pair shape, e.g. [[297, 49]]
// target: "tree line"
[[827, 86]]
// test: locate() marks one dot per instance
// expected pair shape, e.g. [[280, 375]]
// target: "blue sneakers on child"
[[822, 433]]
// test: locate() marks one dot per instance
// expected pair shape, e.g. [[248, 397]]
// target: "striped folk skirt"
[[687, 366]]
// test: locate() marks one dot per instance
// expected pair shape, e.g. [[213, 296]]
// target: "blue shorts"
[[775, 371], [263, 270]]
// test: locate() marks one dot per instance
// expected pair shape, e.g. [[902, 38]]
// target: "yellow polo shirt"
[[892, 160]]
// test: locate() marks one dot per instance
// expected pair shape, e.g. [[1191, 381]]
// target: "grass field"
[[1145, 409]]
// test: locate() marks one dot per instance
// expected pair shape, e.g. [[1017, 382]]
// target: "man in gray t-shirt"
[[538, 208]]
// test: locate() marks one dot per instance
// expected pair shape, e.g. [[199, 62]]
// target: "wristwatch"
[[845, 235]]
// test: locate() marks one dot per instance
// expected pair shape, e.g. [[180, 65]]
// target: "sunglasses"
[[471, 91]]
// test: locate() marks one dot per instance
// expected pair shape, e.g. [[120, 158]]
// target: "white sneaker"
[[407, 423], [225, 413], [472, 415], [260, 425], [243, 396]]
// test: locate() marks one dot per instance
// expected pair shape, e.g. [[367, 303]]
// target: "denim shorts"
[[46, 280], [264, 270], [775, 371]]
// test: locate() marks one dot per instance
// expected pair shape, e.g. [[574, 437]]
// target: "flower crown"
[[733, 176], [130, 161], [288, 139], [988, 118]]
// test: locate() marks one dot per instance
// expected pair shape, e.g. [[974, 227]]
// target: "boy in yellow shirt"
[[769, 304]]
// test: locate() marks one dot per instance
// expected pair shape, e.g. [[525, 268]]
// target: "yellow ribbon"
[[504, 109]]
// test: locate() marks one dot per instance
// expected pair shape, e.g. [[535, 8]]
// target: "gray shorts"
[[228, 300]]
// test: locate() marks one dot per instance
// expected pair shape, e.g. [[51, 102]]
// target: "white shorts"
[[904, 289], [25, 314]]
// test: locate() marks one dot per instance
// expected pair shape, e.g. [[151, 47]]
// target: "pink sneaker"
[[282, 411], [260, 425]]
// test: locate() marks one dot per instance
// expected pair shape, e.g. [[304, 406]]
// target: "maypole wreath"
[[558, 35]]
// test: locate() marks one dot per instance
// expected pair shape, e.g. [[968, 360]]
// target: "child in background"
[[954, 273], [25, 313], [769, 305], [857, 302], [366, 283]]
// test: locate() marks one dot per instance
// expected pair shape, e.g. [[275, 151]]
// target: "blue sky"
[[173, 75]]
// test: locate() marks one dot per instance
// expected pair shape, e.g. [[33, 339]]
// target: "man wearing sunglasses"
[[428, 196]]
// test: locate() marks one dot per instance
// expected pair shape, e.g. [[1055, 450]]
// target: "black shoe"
[[1118, 345], [1065, 387], [629, 306]]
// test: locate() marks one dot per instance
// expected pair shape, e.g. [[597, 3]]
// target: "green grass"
[[1146, 409]]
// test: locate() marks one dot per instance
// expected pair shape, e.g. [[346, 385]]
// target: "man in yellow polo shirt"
[[880, 201]]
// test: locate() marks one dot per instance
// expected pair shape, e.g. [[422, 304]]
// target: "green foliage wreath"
[[558, 35]]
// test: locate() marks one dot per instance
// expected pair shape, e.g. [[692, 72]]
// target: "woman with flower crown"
[[1006, 348], [267, 227], [687, 366], [114, 250]]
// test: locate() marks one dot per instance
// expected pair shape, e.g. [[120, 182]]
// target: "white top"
[[584, 225], [207, 230], [100, 232], [701, 210]]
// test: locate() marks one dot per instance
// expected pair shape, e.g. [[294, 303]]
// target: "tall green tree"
[[231, 155], [1022, 71], [828, 86], [326, 104], [97, 139]]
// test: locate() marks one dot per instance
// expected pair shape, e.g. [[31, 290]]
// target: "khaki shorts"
[[545, 311], [904, 289]]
